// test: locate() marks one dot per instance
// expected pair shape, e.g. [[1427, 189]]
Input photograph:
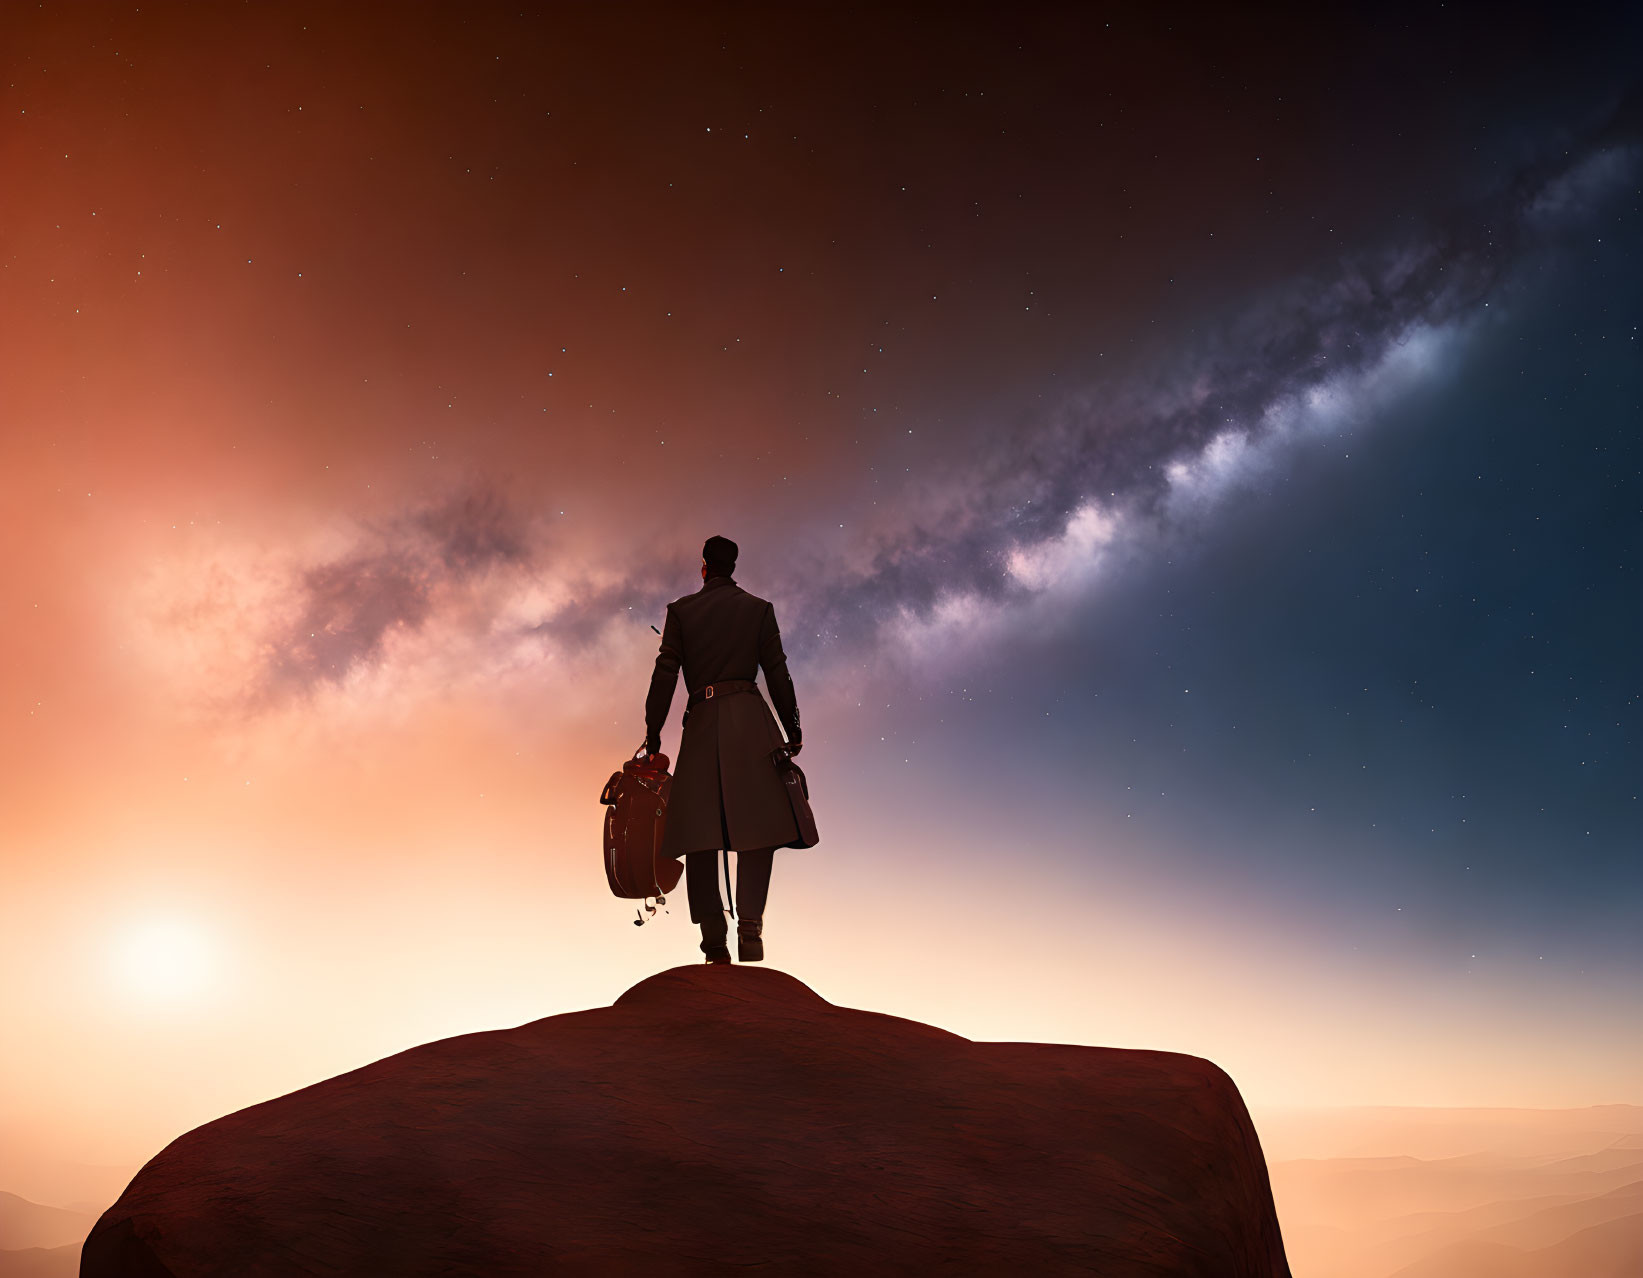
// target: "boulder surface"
[[716, 1118]]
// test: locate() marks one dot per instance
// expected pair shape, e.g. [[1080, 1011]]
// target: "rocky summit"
[[716, 1119]]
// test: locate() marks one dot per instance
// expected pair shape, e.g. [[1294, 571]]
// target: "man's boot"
[[749, 942], [715, 934]]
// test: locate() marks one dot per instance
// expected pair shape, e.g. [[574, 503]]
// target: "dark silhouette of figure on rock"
[[727, 794]]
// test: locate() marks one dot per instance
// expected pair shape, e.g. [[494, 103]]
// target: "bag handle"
[[784, 763]]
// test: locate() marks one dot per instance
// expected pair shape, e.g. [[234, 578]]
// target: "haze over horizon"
[[1194, 460]]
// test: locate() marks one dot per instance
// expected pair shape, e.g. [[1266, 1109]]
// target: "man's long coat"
[[727, 792]]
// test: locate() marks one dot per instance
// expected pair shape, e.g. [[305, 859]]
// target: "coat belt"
[[721, 689]]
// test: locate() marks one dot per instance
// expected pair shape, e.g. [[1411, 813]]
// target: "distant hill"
[[24, 1224], [1610, 1250], [41, 1262], [1492, 1194], [1569, 1218]]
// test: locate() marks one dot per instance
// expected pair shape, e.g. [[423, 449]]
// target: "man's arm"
[[773, 661], [663, 680]]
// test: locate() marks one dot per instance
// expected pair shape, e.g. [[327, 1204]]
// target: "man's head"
[[718, 557]]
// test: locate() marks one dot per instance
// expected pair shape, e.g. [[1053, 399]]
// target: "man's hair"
[[720, 553]]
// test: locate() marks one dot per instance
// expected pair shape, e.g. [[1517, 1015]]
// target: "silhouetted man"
[[727, 793]]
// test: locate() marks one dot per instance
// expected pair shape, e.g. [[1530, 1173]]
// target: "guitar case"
[[635, 800]]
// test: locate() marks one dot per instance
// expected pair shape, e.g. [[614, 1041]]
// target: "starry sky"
[[1193, 454]]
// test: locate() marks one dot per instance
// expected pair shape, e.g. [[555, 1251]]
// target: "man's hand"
[[652, 746]]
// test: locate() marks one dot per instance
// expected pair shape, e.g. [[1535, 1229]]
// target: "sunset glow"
[[165, 960]]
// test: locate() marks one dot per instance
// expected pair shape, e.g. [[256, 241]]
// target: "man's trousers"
[[707, 907]]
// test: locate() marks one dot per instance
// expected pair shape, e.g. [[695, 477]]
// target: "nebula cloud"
[[1137, 461], [1032, 517]]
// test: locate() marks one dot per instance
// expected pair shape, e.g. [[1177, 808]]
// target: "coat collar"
[[716, 581]]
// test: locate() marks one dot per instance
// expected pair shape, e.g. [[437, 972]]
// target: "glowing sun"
[[165, 959]]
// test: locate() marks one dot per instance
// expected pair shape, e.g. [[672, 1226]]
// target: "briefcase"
[[798, 794], [635, 800]]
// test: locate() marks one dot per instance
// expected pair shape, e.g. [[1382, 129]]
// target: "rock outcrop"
[[716, 1119]]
